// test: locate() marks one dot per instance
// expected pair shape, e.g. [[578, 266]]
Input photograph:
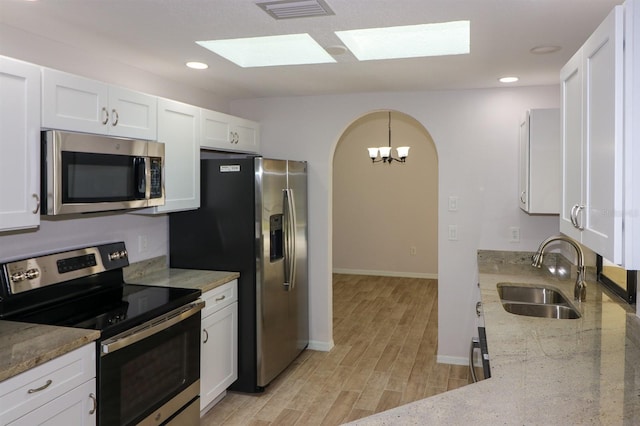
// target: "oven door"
[[151, 374]]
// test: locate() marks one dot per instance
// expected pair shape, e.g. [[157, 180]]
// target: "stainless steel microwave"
[[84, 173]]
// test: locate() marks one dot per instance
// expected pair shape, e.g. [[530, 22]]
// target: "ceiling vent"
[[288, 9]]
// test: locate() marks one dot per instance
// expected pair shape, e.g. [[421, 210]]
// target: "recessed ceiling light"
[[410, 41], [543, 50], [197, 65], [291, 49], [508, 79]]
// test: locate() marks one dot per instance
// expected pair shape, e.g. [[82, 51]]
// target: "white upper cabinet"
[[540, 161], [80, 104], [179, 130], [592, 140], [228, 133], [19, 144]]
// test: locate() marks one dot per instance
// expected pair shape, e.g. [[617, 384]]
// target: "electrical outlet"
[[453, 203], [143, 244], [453, 232], [514, 234], [412, 250]]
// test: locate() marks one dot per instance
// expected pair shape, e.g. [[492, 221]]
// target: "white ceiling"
[[159, 36]]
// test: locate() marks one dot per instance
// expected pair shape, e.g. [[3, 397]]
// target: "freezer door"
[[276, 309]]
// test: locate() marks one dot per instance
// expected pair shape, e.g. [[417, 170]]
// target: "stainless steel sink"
[[536, 301]]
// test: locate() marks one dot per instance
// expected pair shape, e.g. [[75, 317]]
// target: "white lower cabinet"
[[60, 392], [219, 347]]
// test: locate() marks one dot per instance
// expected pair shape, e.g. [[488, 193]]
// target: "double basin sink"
[[536, 301]]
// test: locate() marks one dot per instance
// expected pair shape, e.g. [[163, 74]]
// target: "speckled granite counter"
[[24, 346], [186, 278], [544, 371]]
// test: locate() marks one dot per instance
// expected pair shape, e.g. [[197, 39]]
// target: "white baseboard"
[[316, 345], [386, 273], [455, 360]]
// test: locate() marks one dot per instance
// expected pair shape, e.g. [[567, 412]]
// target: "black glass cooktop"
[[113, 310]]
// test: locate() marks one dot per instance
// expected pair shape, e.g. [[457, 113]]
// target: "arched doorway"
[[385, 216]]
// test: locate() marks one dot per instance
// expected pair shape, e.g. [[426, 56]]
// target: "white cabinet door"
[[540, 141], [228, 133], [76, 407], [219, 352], [571, 131], [592, 141], [216, 130], [603, 138], [80, 104], [132, 114], [523, 166], [179, 130], [246, 135], [19, 144]]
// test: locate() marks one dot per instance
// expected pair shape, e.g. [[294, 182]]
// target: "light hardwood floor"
[[385, 334]]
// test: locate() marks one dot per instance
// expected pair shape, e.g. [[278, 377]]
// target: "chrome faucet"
[[580, 289]]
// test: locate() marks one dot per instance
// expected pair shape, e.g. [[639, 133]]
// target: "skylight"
[[292, 49], [411, 41]]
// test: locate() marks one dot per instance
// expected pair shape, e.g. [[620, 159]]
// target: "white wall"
[[476, 136], [64, 232]]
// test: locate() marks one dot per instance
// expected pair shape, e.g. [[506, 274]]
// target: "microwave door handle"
[[140, 166]]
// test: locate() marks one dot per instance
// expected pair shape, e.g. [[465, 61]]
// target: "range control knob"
[[114, 256], [32, 274], [18, 276]]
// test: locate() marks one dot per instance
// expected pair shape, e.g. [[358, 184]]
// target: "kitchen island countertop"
[[544, 371]]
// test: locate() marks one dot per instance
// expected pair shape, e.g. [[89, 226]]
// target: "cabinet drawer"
[[219, 297], [46, 382]]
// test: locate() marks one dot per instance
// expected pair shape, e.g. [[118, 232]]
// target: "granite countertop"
[[24, 346], [185, 278], [544, 371]]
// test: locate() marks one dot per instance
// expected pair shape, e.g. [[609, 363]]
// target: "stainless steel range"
[[148, 355]]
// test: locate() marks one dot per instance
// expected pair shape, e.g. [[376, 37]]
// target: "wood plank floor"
[[385, 334]]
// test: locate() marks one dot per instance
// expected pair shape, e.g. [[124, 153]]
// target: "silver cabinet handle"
[[478, 308], [95, 403], [206, 335], [41, 388], [37, 209], [114, 117], [221, 298], [105, 115], [522, 197], [573, 216], [578, 209]]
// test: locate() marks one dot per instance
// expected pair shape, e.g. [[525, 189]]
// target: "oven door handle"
[[150, 328]]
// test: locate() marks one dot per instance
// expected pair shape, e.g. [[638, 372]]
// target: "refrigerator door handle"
[[290, 240]]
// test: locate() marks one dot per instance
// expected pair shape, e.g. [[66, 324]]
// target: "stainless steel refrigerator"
[[253, 220]]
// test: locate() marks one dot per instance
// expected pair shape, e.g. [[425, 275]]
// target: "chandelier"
[[385, 151]]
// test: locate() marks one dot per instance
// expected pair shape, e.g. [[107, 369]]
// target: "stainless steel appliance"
[[90, 173], [148, 354], [253, 220], [623, 282]]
